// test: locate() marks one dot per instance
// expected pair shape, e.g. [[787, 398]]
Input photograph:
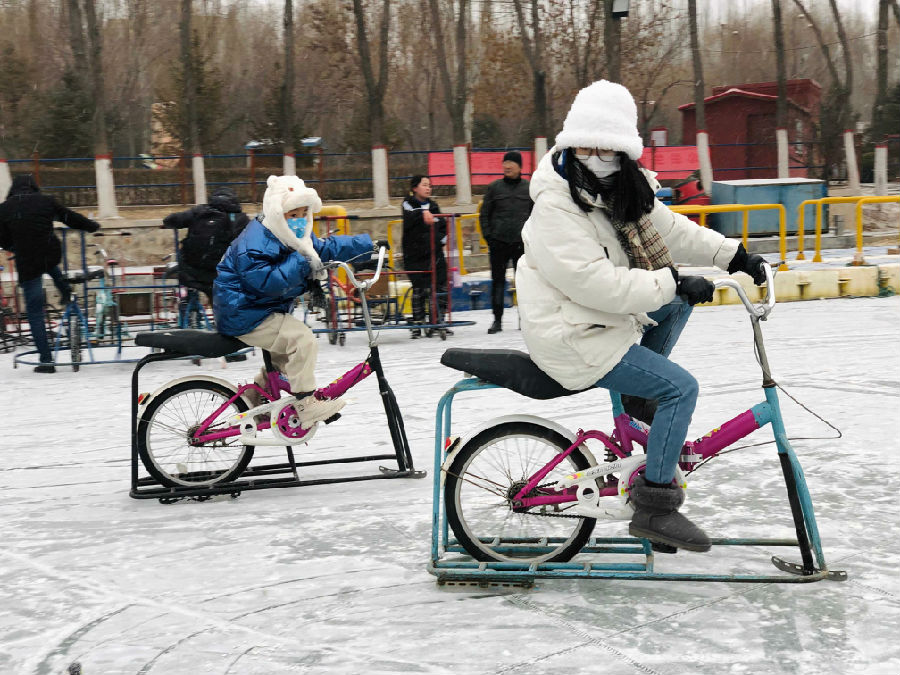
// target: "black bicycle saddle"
[[508, 368], [190, 342]]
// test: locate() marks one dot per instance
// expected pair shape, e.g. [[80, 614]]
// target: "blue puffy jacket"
[[258, 275]]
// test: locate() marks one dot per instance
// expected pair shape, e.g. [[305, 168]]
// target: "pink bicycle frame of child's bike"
[[629, 433], [276, 385]]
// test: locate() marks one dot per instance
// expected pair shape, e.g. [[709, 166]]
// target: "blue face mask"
[[298, 226]]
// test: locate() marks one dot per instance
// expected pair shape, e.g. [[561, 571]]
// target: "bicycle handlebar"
[[361, 285], [763, 309]]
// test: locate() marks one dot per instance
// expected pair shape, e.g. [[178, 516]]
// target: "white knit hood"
[[283, 194], [603, 115]]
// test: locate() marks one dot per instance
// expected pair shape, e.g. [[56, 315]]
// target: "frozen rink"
[[332, 579]]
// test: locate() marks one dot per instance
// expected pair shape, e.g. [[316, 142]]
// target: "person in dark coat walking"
[[26, 229], [210, 230], [418, 222], [504, 210]]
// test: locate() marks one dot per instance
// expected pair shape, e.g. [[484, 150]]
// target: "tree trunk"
[[534, 51], [287, 94], [190, 140], [781, 106], [374, 88], [95, 63], [612, 43], [454, 96], [699, 85], [881, 69]]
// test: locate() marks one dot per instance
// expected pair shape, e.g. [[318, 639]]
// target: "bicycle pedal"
[[333, 418]]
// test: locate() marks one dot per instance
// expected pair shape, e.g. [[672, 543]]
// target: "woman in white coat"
[[600, 300]]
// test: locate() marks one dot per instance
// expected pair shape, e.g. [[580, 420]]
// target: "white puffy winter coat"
[[580, 305]]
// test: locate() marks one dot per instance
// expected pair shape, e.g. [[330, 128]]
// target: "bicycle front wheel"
[[167, 425], [486, 474]]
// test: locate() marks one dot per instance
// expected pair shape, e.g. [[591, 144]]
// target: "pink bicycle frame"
[[628, 433], [276, 385]]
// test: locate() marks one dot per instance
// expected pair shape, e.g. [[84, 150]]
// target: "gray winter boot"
[[656, 517]]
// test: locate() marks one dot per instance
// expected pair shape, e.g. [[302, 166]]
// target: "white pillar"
[[706, 174], [106, 187], [463, 178], [852, 168], [881, 156], [199, 179], [290, 165], [380, 177], [540, 149], [784, 171], [5, 179]]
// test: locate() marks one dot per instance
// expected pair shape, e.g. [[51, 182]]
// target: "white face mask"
[[600, 165]]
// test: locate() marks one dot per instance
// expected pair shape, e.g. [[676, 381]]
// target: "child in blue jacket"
[[265, 270]]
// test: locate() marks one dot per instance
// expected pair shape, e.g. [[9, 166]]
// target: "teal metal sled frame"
[[453, 566]]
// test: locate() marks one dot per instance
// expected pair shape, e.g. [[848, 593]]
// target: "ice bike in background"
[[521, 491], [201, 430]]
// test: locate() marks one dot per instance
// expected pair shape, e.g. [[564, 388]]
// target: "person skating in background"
[[271, 263], [26, 229], [504, 210], [210, 229], [418, 210], [600, 300]]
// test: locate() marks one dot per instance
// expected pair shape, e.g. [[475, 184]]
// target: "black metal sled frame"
[[278, 475]]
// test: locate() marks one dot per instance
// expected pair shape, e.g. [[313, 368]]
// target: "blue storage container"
[[664, 194], [787, 191]]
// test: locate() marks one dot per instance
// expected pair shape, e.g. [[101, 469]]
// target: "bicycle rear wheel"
[[482, 480], [167, 424], [74, 332]]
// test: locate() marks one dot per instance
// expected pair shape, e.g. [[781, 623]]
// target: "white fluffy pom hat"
[[603, 115], [283, 194]]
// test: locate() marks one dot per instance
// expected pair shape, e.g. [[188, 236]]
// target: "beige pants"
[[293, 348]]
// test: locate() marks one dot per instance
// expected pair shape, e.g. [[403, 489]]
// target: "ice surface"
[[332, 579]]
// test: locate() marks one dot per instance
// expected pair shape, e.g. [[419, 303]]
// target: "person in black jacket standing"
[[418, 222], [26, 229], [504, 210], [210, 230]]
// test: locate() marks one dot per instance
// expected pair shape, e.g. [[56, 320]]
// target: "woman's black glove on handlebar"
[[695, 289], [751, 263]]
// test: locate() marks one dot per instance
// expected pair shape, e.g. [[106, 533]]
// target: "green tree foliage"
[[14, 88], [65, 129], [211, 113]]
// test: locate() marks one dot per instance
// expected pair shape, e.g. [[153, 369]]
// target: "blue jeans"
[[646, 371], [33, 290]]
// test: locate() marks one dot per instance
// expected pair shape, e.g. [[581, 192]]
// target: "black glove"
[[378, 243], [94, 226], [695, 289], [751, 263], [317, 298]]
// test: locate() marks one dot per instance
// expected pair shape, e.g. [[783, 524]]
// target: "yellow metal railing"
[[458, 234], [858, 257], [801, 219], [702, 211]]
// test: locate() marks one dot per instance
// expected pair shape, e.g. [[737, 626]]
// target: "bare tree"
[[287, 92], [375, 88], [533, 45], [836, 113], [781, 105], [583, 48], [190, 136], [612, 42], [699, 84], [881, 60], [455, 94]]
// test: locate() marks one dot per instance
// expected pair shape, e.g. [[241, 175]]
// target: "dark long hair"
[[626, 193]]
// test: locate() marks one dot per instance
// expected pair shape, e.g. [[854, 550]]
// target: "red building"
[[740, 121]]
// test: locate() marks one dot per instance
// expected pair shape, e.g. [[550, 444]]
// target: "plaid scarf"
[[645, 248]]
